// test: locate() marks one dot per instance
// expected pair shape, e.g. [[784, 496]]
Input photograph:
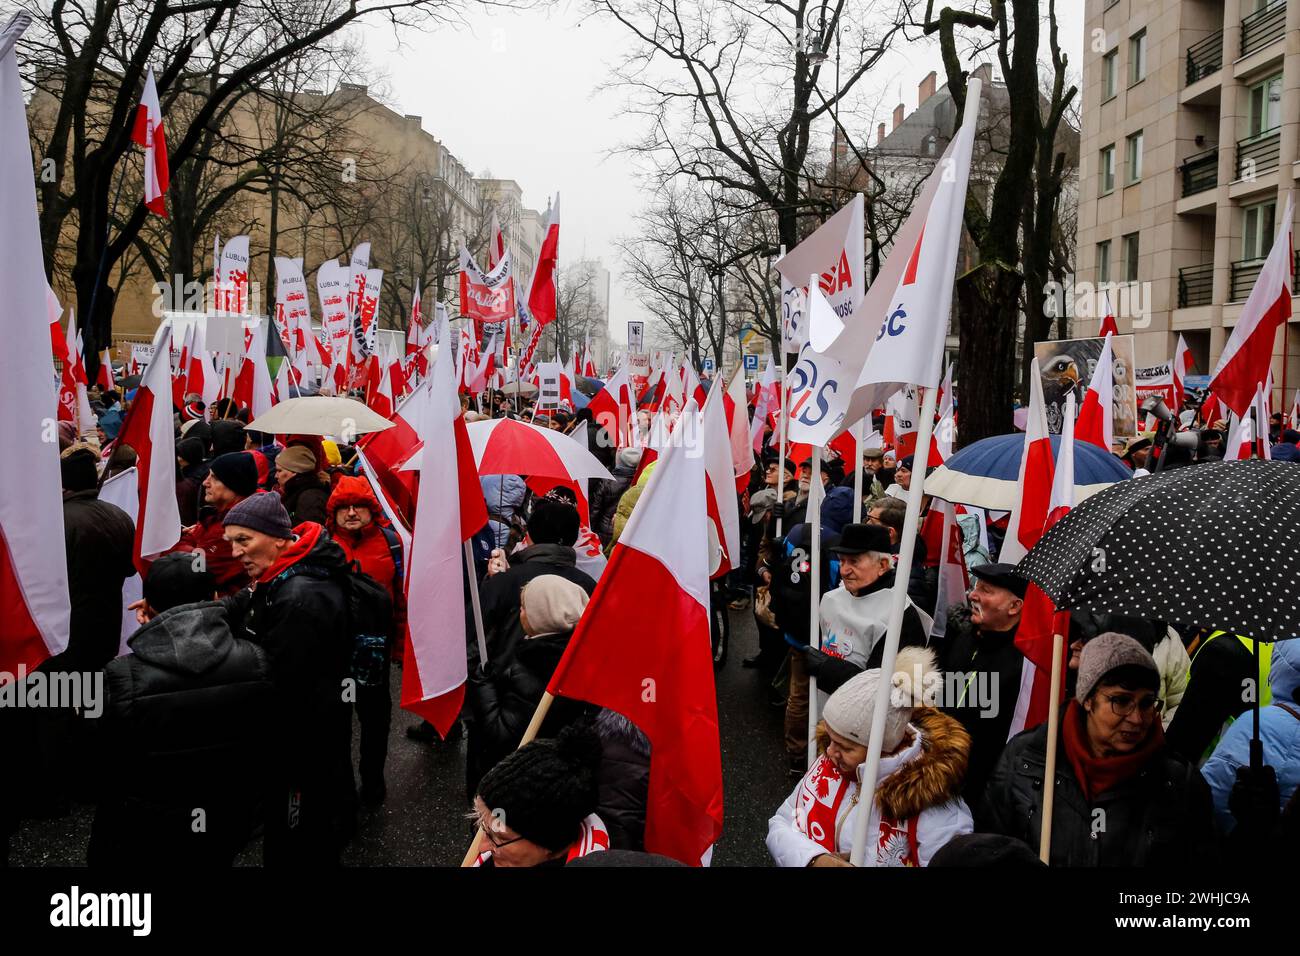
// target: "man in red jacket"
[[232, 477], [354, 515]]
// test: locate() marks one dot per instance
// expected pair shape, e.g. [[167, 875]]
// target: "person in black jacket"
[[1222, 665], [503, 694], [605, 494], [100, 539], [192, 468], [982, 665], [304, 491], [623, 779], [296, 610], [1122, 797], [181, 740]]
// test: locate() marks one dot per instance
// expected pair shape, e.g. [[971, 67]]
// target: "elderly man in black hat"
[[982, 666]]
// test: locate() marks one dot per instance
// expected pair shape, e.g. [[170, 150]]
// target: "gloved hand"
[[1255, 801], [778, 510]]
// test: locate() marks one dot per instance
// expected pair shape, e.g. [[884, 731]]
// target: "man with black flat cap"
[[982, 666]]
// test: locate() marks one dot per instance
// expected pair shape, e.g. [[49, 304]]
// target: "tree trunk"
[[986, 351]]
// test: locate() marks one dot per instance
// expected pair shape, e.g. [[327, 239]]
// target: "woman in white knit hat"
[[918, 806]]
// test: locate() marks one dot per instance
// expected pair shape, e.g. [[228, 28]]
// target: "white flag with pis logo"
[[895, 336]]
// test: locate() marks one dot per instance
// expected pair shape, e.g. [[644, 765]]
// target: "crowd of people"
[[280, 614]]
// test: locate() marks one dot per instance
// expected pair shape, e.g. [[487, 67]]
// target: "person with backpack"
[[354, 516], [299, 609]]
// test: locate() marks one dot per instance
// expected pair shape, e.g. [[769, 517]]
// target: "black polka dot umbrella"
[[1213, 544]]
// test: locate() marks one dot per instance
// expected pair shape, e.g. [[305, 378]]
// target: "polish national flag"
[[1033, 501], [1247, 437], [588, 366], [1108, 326], [148, 132], [1096, 414], [449, 510], [657, 669], [723, 509], [1248, 355], [1039, 618], [104, 378], [149, 431], [1182, 364], [742, 452], [953, 580], [691, 387], [541, 294], [253, 382], [34, 606], [1295, 410], [612, 408], [767, 400], [946, 430], [496, 243]]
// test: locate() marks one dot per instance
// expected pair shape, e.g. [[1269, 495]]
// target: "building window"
[[1103, 261], [1107, 169], [1259, 223], [1266, 105], [1137, 57], [1131, 257], [1134, 157], [1109, 75]]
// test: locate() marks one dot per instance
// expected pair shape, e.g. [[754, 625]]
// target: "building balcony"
[[1205, 57], [1258, 154], [1201, 171], [1246, 271], [1263, 27], [1196, 285]]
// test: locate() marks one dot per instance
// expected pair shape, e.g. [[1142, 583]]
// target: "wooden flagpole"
[[1053, 729]]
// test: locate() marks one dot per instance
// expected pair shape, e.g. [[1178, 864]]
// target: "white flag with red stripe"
[[767, 401], [1096, 423], [724, 514], [1182, 364], [150, 432], [148, 132], [1033, 501], [742, 451], [34, 606], [1248, 355]]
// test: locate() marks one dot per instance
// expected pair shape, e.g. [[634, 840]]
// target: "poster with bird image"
[[1068, 365]]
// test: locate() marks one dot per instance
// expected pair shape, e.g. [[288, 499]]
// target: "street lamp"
[[813, 41]]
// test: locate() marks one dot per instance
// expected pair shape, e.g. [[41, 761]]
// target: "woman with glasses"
[[1122, 797]]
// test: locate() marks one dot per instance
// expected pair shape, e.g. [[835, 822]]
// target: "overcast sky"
[[545, 125]]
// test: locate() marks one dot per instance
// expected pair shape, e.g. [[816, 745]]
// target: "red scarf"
[[1098, 774], [305, 537]]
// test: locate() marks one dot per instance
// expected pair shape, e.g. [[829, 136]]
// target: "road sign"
[[707, 365], [751, 363], [636, 336]]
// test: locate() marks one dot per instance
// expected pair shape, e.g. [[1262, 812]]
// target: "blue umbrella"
[[984, 474]]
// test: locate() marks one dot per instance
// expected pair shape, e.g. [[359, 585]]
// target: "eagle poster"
[[1066, 366]]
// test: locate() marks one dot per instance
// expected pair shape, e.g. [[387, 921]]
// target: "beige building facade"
[[1190, 146]]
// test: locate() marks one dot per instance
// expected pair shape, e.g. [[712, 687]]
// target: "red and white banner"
[[486, 297], [148, 132], [292, 310], [835, 254], [232, 279]]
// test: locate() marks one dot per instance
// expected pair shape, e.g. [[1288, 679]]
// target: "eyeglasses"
[[491, 836], [353, 508], [1122, 705]]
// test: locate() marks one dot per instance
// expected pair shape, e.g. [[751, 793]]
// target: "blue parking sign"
[[751, 363]]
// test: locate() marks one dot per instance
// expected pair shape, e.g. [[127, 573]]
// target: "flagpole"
[[857, 472], [780, 465], [1053, 729], [814, 514], [474, 601], [906, 551]]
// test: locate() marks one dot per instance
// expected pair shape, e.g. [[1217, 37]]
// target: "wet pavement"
[[422, 822]]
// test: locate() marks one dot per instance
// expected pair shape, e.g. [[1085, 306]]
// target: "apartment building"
[[1191, 142]]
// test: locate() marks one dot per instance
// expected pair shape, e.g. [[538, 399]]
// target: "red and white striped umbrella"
[[506, 446]]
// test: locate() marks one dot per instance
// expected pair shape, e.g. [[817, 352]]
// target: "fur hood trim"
[[933, 778]]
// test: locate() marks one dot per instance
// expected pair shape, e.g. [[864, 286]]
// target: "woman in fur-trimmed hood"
[[918, 806]]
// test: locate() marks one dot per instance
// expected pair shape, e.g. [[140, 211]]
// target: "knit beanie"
[[237, 471], [79, 467], [629, 458], [553, 604], [190, 451], [1106, 652], [553, 522], [175, 579], [296, 459], [262, 512], [849, 710], [544, 790]]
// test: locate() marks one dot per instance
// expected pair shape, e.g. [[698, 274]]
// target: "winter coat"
[[980, 661], [628, 501], [623, 779], [499, 594], [1212, 695], [605, 497], [207, 535], [189, 491], [505, 496], [372, 549], [184, 728], [99, 540], [300, 619], [503, 696], [305, 497], [1279, 732], [918, 795], [1160, 817], [972, 551]]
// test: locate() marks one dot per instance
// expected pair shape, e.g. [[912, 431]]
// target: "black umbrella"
[[1210, 544], [131, 381]]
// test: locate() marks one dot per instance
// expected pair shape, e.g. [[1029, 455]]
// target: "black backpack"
[[370, 622]]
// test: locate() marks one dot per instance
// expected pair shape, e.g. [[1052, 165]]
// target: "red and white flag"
[[1248, 355], [1037, 470], [1182, 364], [1248, 433], [148, 132], [34, 606], [953, 580], [742, 452], [449, 511], [834, 253], [496, 242], [1096, 424], [541, 293], [1295, 410], [150, 432], [724, 515], [1108, 326], [612, 408], [657, 669], [767, 401]]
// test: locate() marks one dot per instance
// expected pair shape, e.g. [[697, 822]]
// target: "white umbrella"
[[521, 388], [320, 415], [506, 446]]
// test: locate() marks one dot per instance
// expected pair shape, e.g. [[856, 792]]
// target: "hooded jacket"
[[499, 594], [1160, 817], [605, 496], [505, 496], [184, 727], [1279, 732], [918, 806], [623, 779]]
